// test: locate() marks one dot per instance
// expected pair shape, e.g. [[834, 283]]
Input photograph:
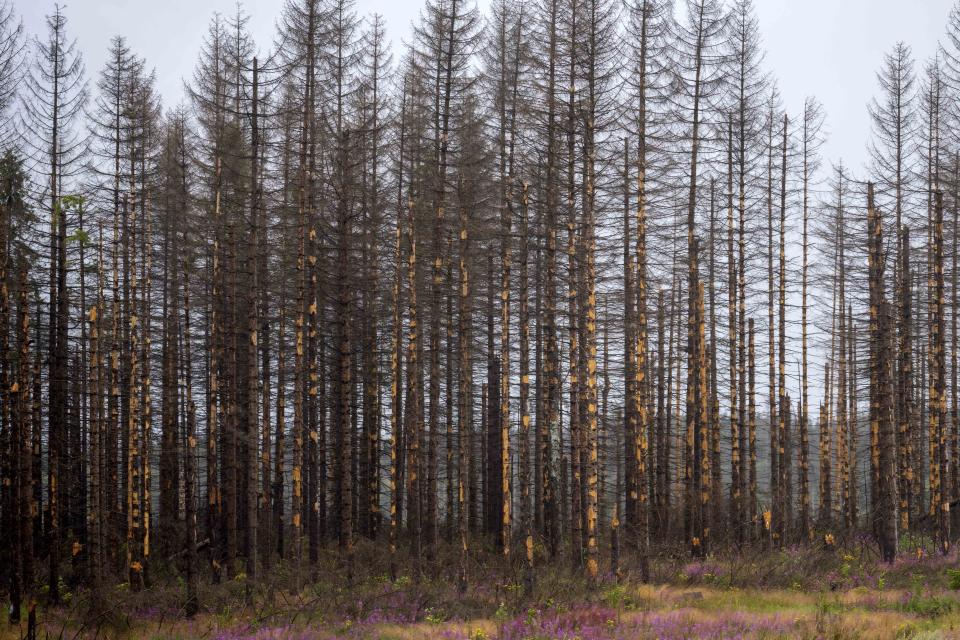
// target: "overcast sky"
[[827, 48]]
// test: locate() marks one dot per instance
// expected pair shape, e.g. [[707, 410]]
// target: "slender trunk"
[[526, 520], [640, 385], [752, 422], [806, 529], [775, 498], [192, 605], [881, 396], [551, 370], [414, 412], [464, 408], [940, 499], [252, 373], [783, 520], [736, 480]]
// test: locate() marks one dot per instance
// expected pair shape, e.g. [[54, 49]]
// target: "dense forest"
[[556, 284]]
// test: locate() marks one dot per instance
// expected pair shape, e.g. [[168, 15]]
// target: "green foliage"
[[79, 236], [532, 614], [435, 616], [14, 196], [828, 608], [844, 569], [929, 606], [71, 202], [615, 596], [12, 181], [66, 596], [953, 576]]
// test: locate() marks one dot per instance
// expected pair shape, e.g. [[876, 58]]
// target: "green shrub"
[[953, 576], [929, 606]]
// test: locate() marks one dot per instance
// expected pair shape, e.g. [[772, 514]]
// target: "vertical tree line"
[[338, 299]]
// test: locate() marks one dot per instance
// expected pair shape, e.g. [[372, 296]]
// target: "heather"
[[798, 592]]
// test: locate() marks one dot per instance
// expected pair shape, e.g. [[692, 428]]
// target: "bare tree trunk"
[[252, 373], [396, 419], [524, 435], [134, 473], [736, 479], [783, 520], [641, 384], [752, 424], [192, 605], [415, 415], [630, 354], [464, 408], [905, 384], [940, 499], [776, 501], [853, 516], [551, 346], [95, 433], [29, 458], [881, 392]]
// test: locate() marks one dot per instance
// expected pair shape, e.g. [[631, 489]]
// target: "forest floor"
[[800, 592]]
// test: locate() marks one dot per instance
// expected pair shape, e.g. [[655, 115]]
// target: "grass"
[[644, 611], [794, 593]]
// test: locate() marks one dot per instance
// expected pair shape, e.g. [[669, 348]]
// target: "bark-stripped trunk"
[[95, 431], [396, 420], [396, 350], [776, 500], [415, 415], [551, 371], [939, 455], [134, 452], [696, 497], [842, 429], [905, 384], [881, 389], [526, 519], [297, 506], [641, 384], [714, 513], [736, 479], [629, 352], [146, 399]]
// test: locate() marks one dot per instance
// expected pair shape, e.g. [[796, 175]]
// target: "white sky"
[[827, 48]]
